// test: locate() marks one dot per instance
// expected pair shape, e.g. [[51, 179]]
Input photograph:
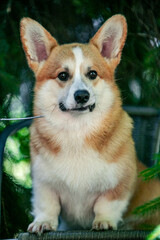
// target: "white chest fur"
[[78, 174]]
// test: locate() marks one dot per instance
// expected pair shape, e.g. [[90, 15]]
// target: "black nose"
[[81, 96]]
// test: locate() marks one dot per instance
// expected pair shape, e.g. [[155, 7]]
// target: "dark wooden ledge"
[[86, 234]]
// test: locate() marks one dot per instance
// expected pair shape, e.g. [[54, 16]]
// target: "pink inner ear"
[[41, 51], [107, 47], [40, 48]]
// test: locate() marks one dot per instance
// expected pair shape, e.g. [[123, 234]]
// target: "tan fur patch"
[[60, 54], [104, 70], [53, 66], [120, 191], [145, 191], [98, 139], [41, 140]]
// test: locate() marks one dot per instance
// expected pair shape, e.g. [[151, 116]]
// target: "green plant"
[[154, 205], [155, 235]]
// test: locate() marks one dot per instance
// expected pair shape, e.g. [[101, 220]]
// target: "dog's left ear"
[[37, 42], [111, 37]]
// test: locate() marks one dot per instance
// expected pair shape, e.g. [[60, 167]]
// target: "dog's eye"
[[92, 75], [63, 76]]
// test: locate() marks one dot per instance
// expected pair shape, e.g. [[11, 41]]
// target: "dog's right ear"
[[37, 42], [110, 38]]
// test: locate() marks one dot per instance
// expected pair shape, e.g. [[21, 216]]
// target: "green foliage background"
[[71, 21]]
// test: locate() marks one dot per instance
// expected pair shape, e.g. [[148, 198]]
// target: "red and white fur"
[[84, 164]]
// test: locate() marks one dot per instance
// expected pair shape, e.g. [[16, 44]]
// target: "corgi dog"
[[84, 163]]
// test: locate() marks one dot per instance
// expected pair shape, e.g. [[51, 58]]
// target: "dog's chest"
[[80, 168], [79, 175]]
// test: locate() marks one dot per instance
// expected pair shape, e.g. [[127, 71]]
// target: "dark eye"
[[63, 76], [92, 75]]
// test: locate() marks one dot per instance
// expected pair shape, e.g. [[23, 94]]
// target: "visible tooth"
[[91, 107], [62, 107]]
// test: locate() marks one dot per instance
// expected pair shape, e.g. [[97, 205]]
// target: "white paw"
[[40, 227], [99, 225]]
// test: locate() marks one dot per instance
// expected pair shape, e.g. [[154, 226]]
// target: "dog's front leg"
[[108, 212], [46, 208]]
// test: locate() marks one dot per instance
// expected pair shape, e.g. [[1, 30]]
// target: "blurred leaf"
[[149, 207], [155, 234]]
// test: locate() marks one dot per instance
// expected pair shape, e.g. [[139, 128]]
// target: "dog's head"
[[74, 78]]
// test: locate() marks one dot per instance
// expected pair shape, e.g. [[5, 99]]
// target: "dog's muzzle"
[[79, 109]]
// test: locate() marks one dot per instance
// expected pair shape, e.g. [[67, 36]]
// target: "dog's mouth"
[[79, 109]]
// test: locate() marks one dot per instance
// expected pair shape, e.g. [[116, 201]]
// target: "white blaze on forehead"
[[79, 58], [78, 83]]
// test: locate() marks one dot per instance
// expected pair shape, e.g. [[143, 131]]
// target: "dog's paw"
[[100, 225], [40, 227]]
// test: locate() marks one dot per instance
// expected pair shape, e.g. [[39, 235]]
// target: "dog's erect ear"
[[111, 37], [37, 42]]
